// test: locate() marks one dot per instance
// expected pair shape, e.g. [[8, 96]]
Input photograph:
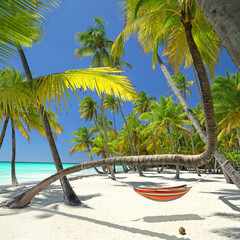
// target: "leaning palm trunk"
[[70, 196], [129, 136], [225, 19], [3, 131], [13, 170]]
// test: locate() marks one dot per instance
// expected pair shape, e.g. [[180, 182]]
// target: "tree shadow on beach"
[[171, 218], [134, 230], [51, 195], [228, 196], [228, 233]]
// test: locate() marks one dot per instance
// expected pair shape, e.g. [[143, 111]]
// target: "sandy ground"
[[112, 210]]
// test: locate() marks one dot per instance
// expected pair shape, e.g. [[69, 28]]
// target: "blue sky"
[[55, 54]]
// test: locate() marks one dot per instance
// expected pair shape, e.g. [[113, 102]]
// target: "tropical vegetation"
[[154, 129]]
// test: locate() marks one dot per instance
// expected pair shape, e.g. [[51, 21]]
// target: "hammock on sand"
[[163, 194]]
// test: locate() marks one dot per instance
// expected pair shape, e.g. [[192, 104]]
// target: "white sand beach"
[[112, 210]]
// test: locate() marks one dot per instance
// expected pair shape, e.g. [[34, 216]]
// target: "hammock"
[[163, 194]]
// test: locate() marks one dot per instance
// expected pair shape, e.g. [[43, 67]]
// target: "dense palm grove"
[[155, 126]]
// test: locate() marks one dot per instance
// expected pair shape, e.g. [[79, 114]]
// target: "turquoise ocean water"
[[28, 172]]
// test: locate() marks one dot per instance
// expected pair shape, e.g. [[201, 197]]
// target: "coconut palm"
[[226, 95], [88, 109], [221, 16], [143, 102], [84, 140], [10, 77], [149, 39], [18, 23], [182, 84], [112, 104], [165, 115], [95, 43]]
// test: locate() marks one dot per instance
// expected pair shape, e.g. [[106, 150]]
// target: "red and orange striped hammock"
[[163, 194]]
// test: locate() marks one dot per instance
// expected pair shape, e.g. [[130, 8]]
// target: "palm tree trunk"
[[116, 136], [154, 149], [229, 170], [238, 136], [13, 170], [97, 171], [3, 131], [177, 176], [129, 136], [106, 136], [162, 152], [197, 84], [70, 197], [225, 19], [193, 149]]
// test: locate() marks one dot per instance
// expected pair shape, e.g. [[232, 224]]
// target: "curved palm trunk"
[[225, 19], [4, 129], [177, 176], [129, 136], [229, 170], [13, 170], [70, 196], [106, 137]]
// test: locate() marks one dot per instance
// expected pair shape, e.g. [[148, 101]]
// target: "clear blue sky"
[[55, 54]]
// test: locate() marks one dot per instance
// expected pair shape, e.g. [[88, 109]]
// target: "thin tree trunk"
[[4, 129], [162, 152], [193, 149], [225, 19], [129, 136], [177, 176], [106, 137], [116, 136], [70, 197], [97, 171], [154, 149], [13, 170], [238, 136]]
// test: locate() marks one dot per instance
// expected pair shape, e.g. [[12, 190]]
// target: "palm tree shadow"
[[228, 233], [134, 230], [171, 218]]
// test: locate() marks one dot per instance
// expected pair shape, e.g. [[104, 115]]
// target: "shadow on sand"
[[171, 218]]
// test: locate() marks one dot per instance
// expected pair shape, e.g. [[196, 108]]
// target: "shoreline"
[[113, 210]]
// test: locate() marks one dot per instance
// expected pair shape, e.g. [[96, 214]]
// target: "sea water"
[[30, 172]]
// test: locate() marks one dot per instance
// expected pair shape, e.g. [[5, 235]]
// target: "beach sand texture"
[[112, 210]]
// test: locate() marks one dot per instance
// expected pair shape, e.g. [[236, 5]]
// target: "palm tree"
[[165, 115], [88, 109], [84, 140], [94, 43], [135, 23], [112, 104], [224, 18], [10, 77], [182, 84], [19, 21], [142, 103], [226, 94]]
